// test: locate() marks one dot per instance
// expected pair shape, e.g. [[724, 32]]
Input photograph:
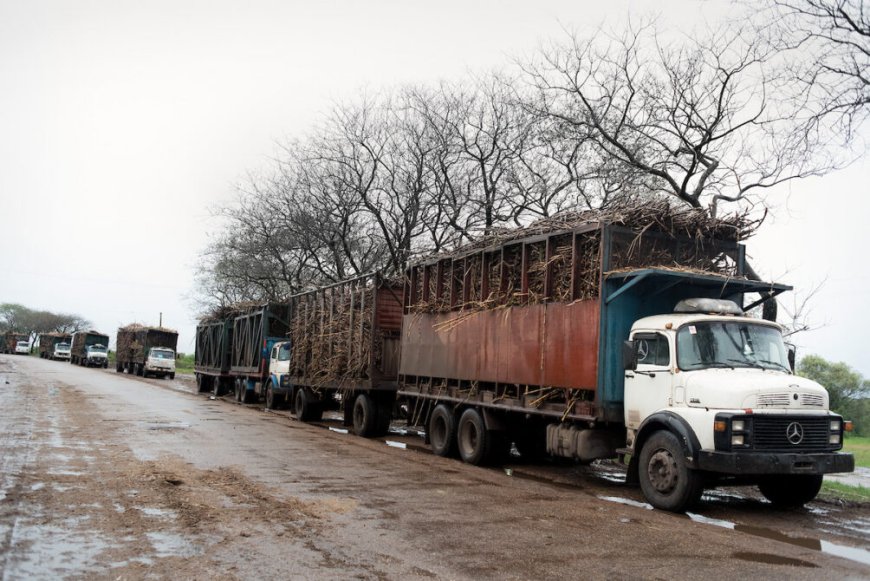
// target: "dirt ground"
[[110, 476]]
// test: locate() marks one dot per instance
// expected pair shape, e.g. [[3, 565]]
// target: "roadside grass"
[[845, 492], [184, 363], [860, 447]]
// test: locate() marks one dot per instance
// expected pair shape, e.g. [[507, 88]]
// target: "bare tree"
[[825, 44], [699, 120]]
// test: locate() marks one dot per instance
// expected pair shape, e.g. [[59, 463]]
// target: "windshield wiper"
[[747, 363], [710, 364], [777, 363]]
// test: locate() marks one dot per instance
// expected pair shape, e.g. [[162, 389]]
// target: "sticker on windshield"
[[692, 330]]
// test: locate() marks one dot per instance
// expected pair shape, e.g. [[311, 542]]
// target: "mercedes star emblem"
[[795, 433]]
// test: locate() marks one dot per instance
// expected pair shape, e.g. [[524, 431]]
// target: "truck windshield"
[[162, 354], [96, 349], [23, 344], [284, 352], [62, 346], [730, 344]]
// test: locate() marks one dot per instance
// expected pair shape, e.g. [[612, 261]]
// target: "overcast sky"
[[122, 123]]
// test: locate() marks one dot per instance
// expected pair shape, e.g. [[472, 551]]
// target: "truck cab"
[[278, 390], [97, 356], [61, 351], [160, 361], [22, 347], [710, 395]]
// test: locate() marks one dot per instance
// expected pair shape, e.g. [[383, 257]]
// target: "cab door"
[[648, 388]]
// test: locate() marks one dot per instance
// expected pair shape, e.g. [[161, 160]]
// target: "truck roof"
[[676, 320]]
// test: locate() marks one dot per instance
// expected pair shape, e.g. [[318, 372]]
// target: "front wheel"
[[666, 480], [172, 376], [272, 402], [790, 491]]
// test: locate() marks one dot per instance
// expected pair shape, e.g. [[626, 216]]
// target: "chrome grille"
[[774, 399], [770, 433], [812, 399]]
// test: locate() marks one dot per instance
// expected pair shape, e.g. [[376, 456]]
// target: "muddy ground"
[[106, 476]]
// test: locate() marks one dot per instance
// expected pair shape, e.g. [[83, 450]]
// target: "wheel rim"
[[662, 471]]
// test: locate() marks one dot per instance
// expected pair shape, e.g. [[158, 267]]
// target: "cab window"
[[652, 349]]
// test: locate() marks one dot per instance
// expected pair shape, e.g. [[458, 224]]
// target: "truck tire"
[[365, 416], [237, 390], [272, 402], [304, 406], [442, 431], [385, 415], [791, 490], [666, 480], [474, 441], [119, 368], [172, 375]]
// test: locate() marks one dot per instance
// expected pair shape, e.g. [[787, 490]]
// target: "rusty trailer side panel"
[[553, 345]]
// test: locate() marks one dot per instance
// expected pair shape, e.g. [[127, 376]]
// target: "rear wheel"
[[476, 444], [665, 478], [305, 407], [237, 390], [364, 416], [790, 491], [172, 375], [442, 431]]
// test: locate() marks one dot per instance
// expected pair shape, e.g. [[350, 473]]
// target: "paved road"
[[110, 476]]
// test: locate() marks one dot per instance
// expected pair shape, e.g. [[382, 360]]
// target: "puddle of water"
[[172, 545], [157, 512], [851, 553], [627, 502], [338, 430], [37, 486], [64, 473], [393, 444], [770, 559], [168, 426]]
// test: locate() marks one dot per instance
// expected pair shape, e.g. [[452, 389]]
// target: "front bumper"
[[750, 463]]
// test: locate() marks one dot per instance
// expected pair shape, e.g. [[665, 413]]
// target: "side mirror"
[[792, 356], [629, 356]]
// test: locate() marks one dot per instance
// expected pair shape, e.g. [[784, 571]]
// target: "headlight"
[[834, 439], [738, 426], [737, 440], [835, 425]]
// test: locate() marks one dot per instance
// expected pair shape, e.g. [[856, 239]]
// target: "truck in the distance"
[[617, 335], [145, 351], [255, 329], [90, 349], [11, 340], [54, 346], [211, 360]]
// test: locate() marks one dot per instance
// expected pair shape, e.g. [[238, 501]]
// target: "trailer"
[[54, 345], [11, 340], [145, 351], [343, 353], [90, 349], [255, 329], [214, 344], [626, 338]]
